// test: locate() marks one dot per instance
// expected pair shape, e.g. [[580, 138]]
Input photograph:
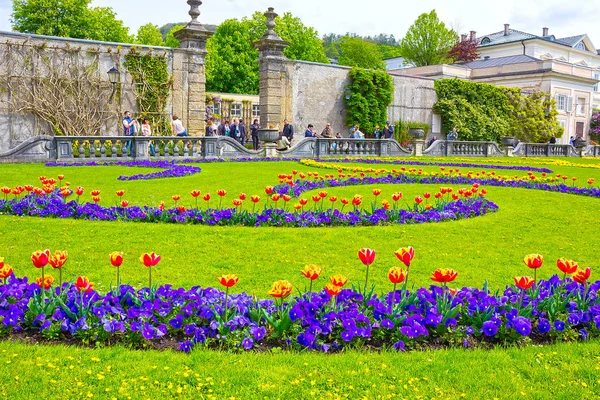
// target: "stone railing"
[[463, 149], [72, 148], [545, 150]]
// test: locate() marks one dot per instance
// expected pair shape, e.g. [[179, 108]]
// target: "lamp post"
[[347, 92], [114, 76]]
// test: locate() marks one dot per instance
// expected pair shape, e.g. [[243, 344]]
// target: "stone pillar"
[[272, 73], [418, 144], [189, 72]]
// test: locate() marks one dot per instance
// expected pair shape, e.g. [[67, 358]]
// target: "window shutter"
[[570, 104]]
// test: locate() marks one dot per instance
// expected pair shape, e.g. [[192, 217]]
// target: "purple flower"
[[544, 326], [185, 346], [489, 328], [247, 343], [522, 325], [399, 346], [559, 325]]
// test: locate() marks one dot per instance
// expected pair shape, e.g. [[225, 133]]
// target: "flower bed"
[[53, 205], [171, 168], [331, 319]]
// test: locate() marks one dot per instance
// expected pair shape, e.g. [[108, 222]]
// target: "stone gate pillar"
[[272, 74], [189, 83]]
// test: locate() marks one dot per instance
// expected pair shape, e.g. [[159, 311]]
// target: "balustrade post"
[[139, 150], [64, 148], [209, 147]]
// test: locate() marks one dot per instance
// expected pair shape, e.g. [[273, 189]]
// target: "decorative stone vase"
[[509, 141], [580, 143], [416, 133], [268, 135]]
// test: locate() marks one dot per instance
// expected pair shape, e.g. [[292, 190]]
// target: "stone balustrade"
[[106, 148]]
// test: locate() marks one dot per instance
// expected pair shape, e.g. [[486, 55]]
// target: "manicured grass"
[[488, 248], [562, 371]]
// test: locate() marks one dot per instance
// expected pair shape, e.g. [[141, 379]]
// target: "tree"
[[171, 40], [231, 62], [533, 119], [150, 35], [355, 52], [68, 18], [464, 51], [428, 41]]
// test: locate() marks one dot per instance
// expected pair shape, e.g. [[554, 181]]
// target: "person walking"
[[243, 132], [177, 127], [254, 132], [327, 132], [234, 131], [147, 131]]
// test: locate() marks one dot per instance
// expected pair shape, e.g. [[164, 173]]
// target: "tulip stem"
[[393, 298], [225, 308], [43, 284], [119, 278], [60, 280], [150, 278], [310, 287], [521, 300], [366, 280]]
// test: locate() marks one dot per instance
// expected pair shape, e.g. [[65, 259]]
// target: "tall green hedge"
[[481, 111], [369, 97]]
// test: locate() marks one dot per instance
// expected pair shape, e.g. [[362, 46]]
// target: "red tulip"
[[176, 197], [567, 266], [40, 258], [124, 203], [116, 258], [332, 289], [58, 259], [396, 275], [48, 281], [236, 202], [243, 196], [286, 198], [269, 189], [79, 191], [61, 177], [444, 275], [150, 259], [406, 255], [281, 289], [195, 193], [254, 199], [367, 256], [276, 197], [524, 282], [221, 192], [83, 284], [180, 209], [344, 201], [357, 200], [427, 195], [418, 200], [582, 275], [96, 199], [376, 192], [206, 197], [228, 280], [534, 261], [316, 198], [95, 193], [322, 194], [311, 272], [303, 202], [5, 270], [333, 199], [120, 193], [338, 280]]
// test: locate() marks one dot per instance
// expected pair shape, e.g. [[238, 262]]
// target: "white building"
[[567, 68]]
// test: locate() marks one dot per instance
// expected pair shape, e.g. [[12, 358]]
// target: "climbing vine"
[[367, 98], [153, 87]]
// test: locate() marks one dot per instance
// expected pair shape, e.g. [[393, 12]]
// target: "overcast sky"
[[564, 18]]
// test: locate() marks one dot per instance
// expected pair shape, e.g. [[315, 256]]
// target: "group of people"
[[131, 126], [236, 130]]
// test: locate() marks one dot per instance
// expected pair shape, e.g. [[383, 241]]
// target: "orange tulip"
[[333, 199], [40, 258], [311, 272], [303, 202], [276, 197], [582, 275], [116, 258], [332, 289], [406, 255], [180, 209], [58, 259], [386, 204], [534, 261], [316, 198], [255, 199], [297, 206], [95, 193], [524, 282], [396, 275], [567, 266], [357, 200], [444, 275], [96, 199], [366, 256], [344, 201], [48, 281], [268, 189], [150, 259], [176, 197], [61, 177], [83, 284], [120, 193], [281, 289], [376, 192], [237, 202], [195, 193], [221, 192], [228, 280], [286, 198], [65, 193], [338, 280]]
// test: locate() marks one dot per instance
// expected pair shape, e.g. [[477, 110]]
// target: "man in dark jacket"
[[288, 130], [254, 131], [388, 131], [234, 130], [242, 129]]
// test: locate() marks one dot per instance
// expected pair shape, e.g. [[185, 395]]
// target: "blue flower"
[[559, 325], [544, 326], [522, 325], [247, 343], [185, 346], [399, 346], [489, 328]]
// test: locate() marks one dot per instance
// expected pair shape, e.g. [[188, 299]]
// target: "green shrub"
[[402, 127], [370, 95]]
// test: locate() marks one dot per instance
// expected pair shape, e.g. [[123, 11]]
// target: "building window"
[[236, 110], [562, 123], [581, 106], [485, 40], [255, 111], [561, 102], [580, 46], [597, 85], [217, 109]]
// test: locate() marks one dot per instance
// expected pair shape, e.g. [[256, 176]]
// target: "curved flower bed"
[[54, 206], [423, 318], [395, 161], [171, 168], [301, 186]]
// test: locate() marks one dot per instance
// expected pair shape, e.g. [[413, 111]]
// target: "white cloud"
[[371, 17]]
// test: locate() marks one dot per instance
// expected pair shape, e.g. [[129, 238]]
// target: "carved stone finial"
[[194, 10], [271, 15]]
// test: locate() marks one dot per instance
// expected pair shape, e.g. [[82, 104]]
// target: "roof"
[[495, 62], [517, 36]]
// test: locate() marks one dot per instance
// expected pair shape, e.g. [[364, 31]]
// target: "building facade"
[[230, 106], [566, 68]]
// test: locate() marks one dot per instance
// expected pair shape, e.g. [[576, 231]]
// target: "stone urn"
[[416, 133], [269, 136], [580, 143], [509, 141]]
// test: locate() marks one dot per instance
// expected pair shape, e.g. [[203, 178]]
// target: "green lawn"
[[489, 248]]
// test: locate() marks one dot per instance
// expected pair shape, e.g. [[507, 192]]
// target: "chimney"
[[463, 37], [506, 28], [473, 35], [544, 32]]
